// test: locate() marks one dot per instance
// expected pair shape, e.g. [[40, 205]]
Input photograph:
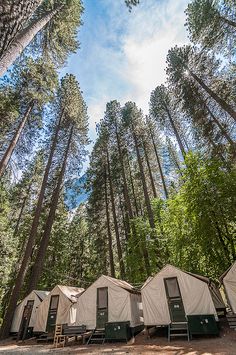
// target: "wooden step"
[[178, 329], [97, 336]]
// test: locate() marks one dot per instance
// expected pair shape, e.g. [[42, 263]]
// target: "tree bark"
[[126, 191], [159, 165], [14, 15], [125, 219], [181, 146], [5, 329], [175, 160], [150, 171], [216, 149], [228, 21], [109, 235], [133, 189], [222, 129], [7, 156], [39, 260], [222, 103], [22, 40], [119, 250], [21, 211], [144, 184]]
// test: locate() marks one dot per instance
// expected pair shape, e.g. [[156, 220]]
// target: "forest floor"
[[223, 345]]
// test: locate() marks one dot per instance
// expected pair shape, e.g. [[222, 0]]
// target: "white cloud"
[[150, 34], [131, 64]]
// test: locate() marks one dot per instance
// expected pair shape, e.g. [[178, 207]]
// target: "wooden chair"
[[59, 338]]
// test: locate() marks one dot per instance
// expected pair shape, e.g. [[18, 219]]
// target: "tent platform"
[[45, 339]]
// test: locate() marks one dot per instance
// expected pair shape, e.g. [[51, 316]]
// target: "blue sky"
[[122, 54]]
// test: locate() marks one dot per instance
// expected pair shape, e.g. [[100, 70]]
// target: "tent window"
[[30, 303], [102, 297], [54, 302], [172, 287]]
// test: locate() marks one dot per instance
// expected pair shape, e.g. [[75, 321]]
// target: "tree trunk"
[[228, 21], [7, 156], [14, 15], [159, 165], [150, 171], [175, 160], [125, 218], [144, 184], [216, 149], [30, 243], [133, 189], [181, 146], [222, 103], [126, 191], [222, 129], [146, 198], [24, 38], [109, 235], [119, 250], [19, 217], [21, 211], [39, 260]]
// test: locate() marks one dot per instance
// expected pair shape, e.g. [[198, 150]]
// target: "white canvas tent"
[[65, 312], [195, 293], [229, 281], [36, 297], [214, 290], [122, 303]]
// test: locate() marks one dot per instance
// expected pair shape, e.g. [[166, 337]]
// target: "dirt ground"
[[223, 345]]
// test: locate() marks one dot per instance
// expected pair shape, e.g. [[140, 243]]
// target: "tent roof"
[[123, 284], [41, 294], [72, 293], [200, 277], [226, 272]]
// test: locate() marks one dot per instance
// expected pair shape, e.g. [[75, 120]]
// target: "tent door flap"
[[102, 307], [52, 313], [175, 302], [22, 334]]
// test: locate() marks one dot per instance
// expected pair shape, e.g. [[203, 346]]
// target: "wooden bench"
[[64, 332]]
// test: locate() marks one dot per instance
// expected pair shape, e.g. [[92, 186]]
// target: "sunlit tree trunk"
[[132, 187], [22, 40], [109, 235], [221, 128], [180, 143], [150, 171], [117, 234], [222, 103], [143, 180], [159, 165], [14, 15], [7, 156]]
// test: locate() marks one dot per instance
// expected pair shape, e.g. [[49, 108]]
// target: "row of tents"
[[169, 296]]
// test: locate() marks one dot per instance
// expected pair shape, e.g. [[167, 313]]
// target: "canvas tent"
[[108, 300], [26, 311], [214, 291], [57, 308], [229, 281], [172, 293]]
